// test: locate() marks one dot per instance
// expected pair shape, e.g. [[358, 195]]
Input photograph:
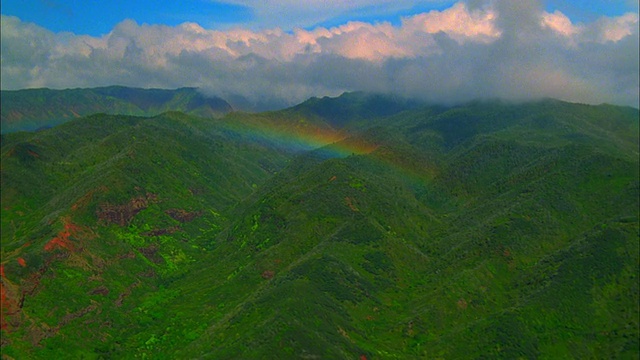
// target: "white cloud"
[[458, 22], [470, 50], [560, 23], [615, 29]]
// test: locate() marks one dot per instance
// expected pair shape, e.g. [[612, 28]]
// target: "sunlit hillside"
[[358, 227]]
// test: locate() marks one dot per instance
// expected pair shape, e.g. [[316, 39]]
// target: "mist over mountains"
[[362, 226], [32, 109]]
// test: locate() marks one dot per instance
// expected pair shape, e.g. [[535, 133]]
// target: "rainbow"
[[302, 136]]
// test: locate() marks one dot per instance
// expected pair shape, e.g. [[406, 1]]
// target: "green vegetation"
[[488, 230], [33, 109]]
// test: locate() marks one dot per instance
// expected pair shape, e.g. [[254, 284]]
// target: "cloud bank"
[[474, 49]]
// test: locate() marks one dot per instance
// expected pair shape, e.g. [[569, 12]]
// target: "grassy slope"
[[485, 231], [62, 179]]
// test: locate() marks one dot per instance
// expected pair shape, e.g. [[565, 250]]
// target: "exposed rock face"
[[182, 215], [118, 302], [151, 253], [101, 290], [158, 232], [122, 214]]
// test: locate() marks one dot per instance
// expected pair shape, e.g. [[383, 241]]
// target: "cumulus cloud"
[[474, 49]]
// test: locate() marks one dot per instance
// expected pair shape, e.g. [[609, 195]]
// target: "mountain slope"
[[400, 267], [488, 230], [37, 108], [98, 208], [354, 107]]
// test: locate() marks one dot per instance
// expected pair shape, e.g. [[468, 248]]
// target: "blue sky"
[[99, 17]]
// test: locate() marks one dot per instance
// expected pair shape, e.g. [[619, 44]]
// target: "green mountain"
[[355, 107], [489, 230], [33, 109]]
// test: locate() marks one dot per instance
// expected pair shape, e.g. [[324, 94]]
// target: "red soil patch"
[[4, 309], [462, 304], [8, 305], [62, 240], [268, 274], [56, 242], [350, 204], [13, 295], [86, 198]]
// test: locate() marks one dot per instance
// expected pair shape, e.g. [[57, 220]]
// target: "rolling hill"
[[33, 109], [486, 230]]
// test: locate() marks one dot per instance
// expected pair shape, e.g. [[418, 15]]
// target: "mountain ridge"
[[32, 109]]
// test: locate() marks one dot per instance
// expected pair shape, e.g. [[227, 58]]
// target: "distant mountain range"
[[33, 109], [358, 227]]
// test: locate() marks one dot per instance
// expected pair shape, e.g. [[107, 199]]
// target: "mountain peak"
[[351, 107]]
